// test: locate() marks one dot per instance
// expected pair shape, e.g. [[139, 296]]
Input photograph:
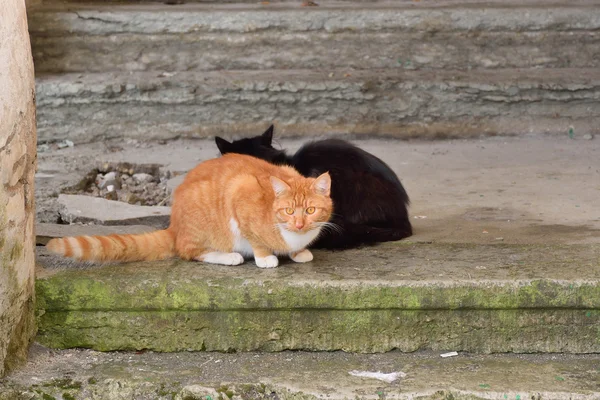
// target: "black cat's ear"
[[222, 144], [267, 137]]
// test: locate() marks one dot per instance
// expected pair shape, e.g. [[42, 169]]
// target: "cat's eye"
[[310, 210], [289, 211]]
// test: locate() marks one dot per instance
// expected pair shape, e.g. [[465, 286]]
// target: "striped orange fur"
[[225, 209], [147, 246]]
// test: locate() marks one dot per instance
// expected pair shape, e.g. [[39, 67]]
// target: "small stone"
[[588, 136], [65, 143], [143, 177], [111, 196], [274, 336], [131, 198], [103, 181], [42, 148], [199, 392]]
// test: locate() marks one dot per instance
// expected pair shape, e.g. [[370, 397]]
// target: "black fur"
[[370, 204]]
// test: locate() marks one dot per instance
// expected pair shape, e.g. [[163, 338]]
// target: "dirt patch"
[[139, 184]]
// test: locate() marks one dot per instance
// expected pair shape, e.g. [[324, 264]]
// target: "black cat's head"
[[258, 146]]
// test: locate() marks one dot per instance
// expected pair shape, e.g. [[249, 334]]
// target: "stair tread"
[[389, 276], [306, 375]]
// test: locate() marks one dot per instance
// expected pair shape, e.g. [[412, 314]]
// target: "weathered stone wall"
[[31, 3], [17, 168]]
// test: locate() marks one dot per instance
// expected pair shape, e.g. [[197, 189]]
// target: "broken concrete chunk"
[[87, 209]]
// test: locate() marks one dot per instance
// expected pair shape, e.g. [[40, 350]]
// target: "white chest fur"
[[298, 241], [240, 244]]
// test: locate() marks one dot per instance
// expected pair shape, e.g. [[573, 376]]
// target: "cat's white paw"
[[266, 262], [302, 256], [216, 257]]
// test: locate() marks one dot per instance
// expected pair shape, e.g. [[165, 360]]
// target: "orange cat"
[[225, 209]]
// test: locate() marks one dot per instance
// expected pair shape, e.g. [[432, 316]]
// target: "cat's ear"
[[279, 186], [267, 137], [322, 184], [222, 144]]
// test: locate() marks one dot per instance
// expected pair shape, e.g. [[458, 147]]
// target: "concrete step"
[[398, 35], [405, 296], [404, 104], [79, 374]]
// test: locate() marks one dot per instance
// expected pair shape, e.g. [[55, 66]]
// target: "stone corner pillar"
[[17, 169]]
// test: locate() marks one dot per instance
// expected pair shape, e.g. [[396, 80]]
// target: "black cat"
[[370, 204]]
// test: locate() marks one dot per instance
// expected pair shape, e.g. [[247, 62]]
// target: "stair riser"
[[364, 331], [201, 39], [111, 21], [272, 50], [399, 106]]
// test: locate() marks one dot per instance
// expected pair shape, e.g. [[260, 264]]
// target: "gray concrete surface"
[[355, 35], [300, 376], [395, 69], [331, 16], [96, 210], [393, 103], [532, 189], [465, 297]]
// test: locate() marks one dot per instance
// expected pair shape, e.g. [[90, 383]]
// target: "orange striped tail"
[[150, 246]]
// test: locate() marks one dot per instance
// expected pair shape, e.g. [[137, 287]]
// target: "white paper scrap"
[[451, 354], [389, 378]]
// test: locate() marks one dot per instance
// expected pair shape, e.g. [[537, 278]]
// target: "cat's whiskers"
[[329, 227]]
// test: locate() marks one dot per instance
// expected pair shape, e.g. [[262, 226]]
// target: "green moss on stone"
[[348, 330], [224, 390], [64, 383], [176, 306]]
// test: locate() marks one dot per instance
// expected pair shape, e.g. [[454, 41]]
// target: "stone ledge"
[[300, 376], [307, 50], [484, 298], [305, 102], [398, 35], [96, 19]]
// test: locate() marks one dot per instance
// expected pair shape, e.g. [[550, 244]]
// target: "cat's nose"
[[299, 224]]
